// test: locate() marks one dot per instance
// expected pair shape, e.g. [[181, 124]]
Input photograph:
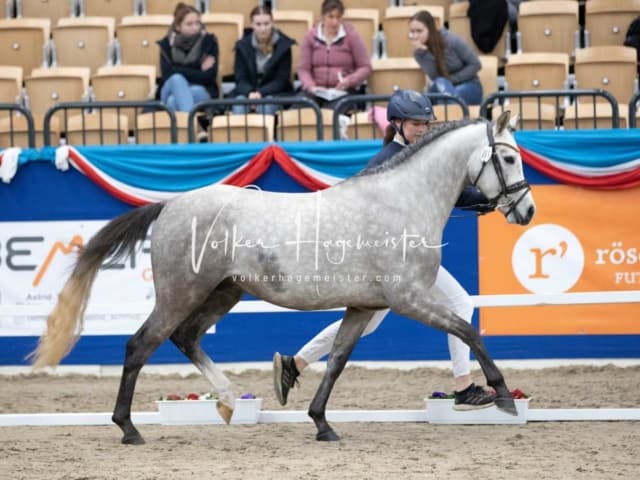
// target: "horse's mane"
[[433, 134]]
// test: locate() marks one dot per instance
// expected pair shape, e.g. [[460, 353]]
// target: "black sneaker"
[[285, 376], [473, 397]]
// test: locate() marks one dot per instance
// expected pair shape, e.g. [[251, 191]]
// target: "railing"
[[633, 110], [210, 106], [563, 102], [31, 130], [119, 107], [345, 104]]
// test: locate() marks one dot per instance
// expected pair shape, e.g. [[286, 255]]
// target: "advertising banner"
[[580, 241], [37, 258]]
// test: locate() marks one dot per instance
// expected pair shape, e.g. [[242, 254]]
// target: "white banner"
[[36, 258]]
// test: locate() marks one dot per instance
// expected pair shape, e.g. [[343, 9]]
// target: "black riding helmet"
[[409, 105]]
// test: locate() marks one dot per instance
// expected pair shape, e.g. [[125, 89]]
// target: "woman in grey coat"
[[449, 63]]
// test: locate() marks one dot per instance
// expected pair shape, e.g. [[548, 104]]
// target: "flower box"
[[204, 412], [441, 411]]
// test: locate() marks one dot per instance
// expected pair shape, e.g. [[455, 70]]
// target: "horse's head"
[[497, 171]]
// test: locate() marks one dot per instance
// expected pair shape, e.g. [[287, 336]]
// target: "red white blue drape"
[[138, 174]]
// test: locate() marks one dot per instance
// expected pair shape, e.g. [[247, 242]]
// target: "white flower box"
[[204, 412], [441, 411]]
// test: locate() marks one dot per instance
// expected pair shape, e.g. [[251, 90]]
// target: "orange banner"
[[580, 241]]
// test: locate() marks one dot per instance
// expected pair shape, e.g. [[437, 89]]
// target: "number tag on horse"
[[486, 154]]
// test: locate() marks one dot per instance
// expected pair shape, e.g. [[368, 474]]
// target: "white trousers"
[[445, 291]]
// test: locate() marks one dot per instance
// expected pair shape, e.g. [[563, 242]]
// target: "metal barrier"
[[343, 105], [118, 106], [31, 130], [209, 107], [563, 101], [633, 110]]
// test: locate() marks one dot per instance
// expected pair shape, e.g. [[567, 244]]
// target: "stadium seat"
[[312, 6], [108, 8], [97, 129], [445, 4], [137, 37], [125, 82], [488, 74], [586, 114], [366, 22], [227, 27], [395, 25], [50, 9], [23, 41], [10, 84], [295, 24], [607, 21], [531, 115], [460, 25], [447, 113], [164, 7], [147, 123], [390, 74], [611, 68], [538, 72], [380, 5], [253, 127], [299, 124], [548, 26], [242, 7], [47, 86], [363, 128], [14, 132], [84, 42]]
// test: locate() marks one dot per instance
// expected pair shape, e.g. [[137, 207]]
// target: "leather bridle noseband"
[[504, 188]]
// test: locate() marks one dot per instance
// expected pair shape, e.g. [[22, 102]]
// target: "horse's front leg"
[[351, 328], [439, 317]]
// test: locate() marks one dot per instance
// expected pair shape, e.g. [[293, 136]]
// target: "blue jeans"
[[266, 109], [178, 95], [470, 92]]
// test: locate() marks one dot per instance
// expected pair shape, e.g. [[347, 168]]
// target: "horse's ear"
[[503, 121], [513, 123]]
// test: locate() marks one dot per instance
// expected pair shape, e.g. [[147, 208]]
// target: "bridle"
[[505, 189]]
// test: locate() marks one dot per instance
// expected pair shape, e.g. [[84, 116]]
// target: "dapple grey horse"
[[370, 242]]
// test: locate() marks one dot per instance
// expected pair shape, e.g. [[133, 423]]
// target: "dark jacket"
[[470, 199], [487, 19], [192, 73], [277, 73]]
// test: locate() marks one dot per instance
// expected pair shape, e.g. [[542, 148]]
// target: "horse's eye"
[[509, 159]]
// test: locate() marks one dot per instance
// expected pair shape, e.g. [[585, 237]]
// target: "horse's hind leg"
[[439, 317], [351, 328], [140, 346], [187, 338]]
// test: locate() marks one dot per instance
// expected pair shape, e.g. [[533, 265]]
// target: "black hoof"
[[507, 405], [133, 440], [327, 436]]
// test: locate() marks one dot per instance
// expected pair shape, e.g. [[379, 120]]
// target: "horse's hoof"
[[327, 436], [133, 440], [225, 411], [507, 405]]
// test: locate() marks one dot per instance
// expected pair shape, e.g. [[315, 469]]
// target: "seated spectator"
[[449, 63], [333, 57], [263, 63], [188, 62]]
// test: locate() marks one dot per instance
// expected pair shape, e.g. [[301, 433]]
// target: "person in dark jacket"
[[263, 62], [409, 114], [188, 62]]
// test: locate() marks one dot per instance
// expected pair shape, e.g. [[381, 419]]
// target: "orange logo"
[[580, 241], [76, 243]]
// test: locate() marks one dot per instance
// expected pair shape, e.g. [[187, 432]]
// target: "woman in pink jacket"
[[333, 57]]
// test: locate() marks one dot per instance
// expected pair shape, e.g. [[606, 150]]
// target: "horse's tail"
[[115, 239]]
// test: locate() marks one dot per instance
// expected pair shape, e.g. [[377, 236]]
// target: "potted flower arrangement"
[[440, 410], [194, 408]]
